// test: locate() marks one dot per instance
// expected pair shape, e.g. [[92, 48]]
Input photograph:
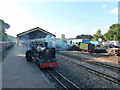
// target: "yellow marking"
[[20, 55], [89, 60]]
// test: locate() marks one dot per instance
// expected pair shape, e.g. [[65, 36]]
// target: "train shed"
[[35, 33]]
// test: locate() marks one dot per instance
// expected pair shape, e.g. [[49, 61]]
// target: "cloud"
[[114, 11], [104, 6]]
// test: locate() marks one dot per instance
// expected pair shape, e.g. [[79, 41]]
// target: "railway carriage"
[[86, 46], [89, 47]]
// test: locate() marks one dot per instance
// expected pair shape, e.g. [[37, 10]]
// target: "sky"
[[67, 17]]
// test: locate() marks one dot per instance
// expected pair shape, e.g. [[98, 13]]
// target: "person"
[[40, 48]]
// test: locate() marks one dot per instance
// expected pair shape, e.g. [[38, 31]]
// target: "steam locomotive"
[[44, 55]]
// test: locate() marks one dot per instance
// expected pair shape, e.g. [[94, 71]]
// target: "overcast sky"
[[71, 18]]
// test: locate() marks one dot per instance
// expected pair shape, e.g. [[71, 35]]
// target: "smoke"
[[52, 42], [56, 43]]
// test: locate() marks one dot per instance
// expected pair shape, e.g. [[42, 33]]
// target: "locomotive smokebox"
[[48, 53]]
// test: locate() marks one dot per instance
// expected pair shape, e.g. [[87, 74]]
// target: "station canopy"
[[35, 33]]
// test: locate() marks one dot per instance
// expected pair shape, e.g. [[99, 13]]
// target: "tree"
[[5, 26], [3, 35], [97, 35], [63, 36], [113, 33], [83, 36]]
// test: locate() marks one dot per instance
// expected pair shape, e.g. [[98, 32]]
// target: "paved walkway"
[[18, 73]]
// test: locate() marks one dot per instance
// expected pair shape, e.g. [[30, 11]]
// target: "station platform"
[[18, 73]]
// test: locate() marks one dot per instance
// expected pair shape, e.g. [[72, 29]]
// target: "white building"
[[116, 43]]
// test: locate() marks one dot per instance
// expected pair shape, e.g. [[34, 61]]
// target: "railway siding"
[[89, 57], [91, 66], [82, 77]]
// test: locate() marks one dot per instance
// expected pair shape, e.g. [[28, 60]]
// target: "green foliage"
[[3, 35], [97, 35], [83, 36], [63, 36], [113, 33], [5, 26], [6, 37]]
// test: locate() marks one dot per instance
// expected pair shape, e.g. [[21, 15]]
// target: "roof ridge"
[[20, 34]]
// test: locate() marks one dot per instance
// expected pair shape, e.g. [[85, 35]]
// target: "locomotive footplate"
[[48, 63]]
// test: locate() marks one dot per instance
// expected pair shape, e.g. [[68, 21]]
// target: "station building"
[[35, 33]]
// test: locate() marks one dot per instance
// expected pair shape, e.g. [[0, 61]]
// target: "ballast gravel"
[[82, 77], [89, 57]]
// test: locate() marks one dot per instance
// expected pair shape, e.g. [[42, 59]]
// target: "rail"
[[105, 76], [92, 62], [62, 80]]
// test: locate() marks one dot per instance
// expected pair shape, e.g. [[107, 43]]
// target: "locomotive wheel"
[[29, 55]]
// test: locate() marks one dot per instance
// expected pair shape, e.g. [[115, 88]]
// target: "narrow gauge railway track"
[[90, 61], [105, 76], [92, 54], [62, 80]]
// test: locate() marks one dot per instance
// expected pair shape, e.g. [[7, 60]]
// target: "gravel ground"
[[51, 79], [89, 57], [82, 77], [92, 66]]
